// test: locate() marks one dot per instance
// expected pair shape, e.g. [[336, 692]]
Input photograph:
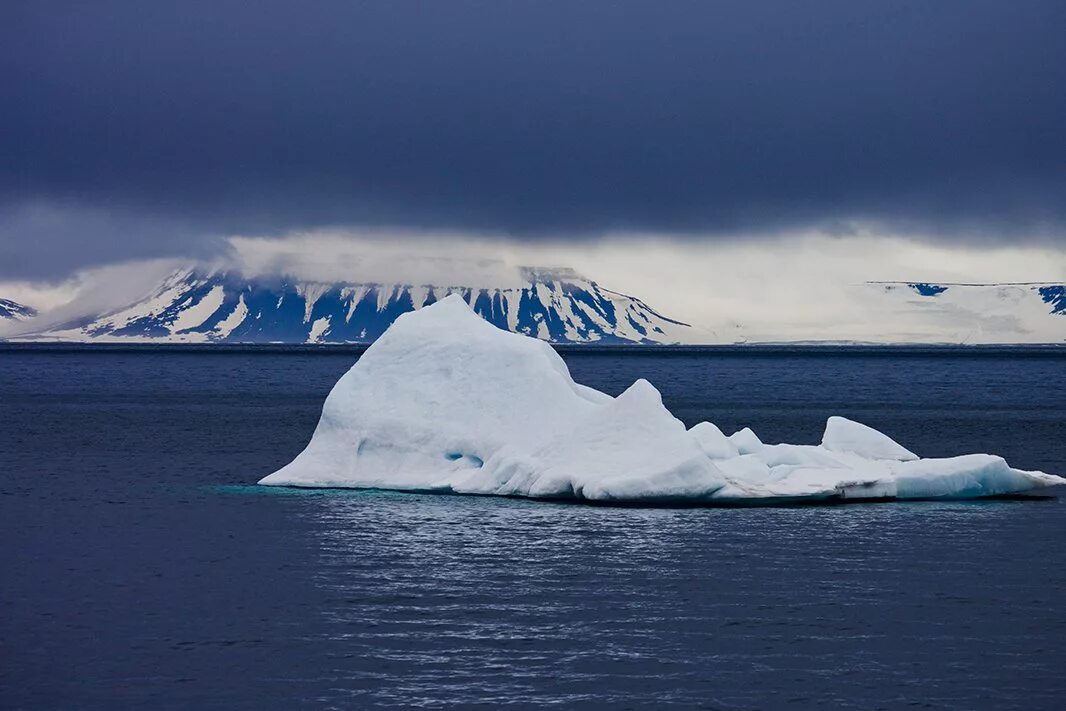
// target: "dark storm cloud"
[[532, 118]]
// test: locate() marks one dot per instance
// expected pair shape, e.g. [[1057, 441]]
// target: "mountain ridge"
[[210, 306], [223, 306]]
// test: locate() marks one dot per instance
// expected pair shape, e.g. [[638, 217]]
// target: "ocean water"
[[140, 566]]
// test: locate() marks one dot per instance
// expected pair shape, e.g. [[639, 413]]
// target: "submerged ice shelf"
[[446, 402]]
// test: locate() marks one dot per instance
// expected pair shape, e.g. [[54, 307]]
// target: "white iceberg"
[[446, 402]]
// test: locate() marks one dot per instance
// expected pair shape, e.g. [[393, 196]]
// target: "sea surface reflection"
[[140, 568], [503, 601]]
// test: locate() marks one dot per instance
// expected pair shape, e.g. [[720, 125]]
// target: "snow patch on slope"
[[199, 311], [319, 327], [233, 319]]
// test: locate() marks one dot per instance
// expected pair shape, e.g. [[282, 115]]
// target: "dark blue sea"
[[141, 568]]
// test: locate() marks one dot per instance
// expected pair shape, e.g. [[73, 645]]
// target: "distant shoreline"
[[770, 349]]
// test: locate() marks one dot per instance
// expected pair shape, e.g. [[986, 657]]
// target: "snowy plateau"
[[945, 312], [446, 402]]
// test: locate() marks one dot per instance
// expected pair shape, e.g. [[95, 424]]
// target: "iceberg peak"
[[746, 441], [844, 435], [713, 441]]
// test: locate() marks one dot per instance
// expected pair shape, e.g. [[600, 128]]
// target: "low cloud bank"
[[802, 286]]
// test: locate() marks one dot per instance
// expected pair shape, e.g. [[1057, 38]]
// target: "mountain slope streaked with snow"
[[15, 311], [558, 305], [195, 306]]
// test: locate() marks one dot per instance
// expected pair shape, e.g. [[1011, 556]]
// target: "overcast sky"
[[155, 129]]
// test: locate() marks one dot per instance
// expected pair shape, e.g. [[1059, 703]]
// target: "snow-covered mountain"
[[923, 312], [15, 311], [193, 305]]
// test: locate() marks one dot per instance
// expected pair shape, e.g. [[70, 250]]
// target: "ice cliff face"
[[15, 311], [445, 402], [196, 306]]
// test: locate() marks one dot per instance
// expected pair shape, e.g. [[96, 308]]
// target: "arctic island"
[[446, 402]]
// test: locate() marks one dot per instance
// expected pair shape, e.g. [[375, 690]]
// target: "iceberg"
[[446, 402]]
